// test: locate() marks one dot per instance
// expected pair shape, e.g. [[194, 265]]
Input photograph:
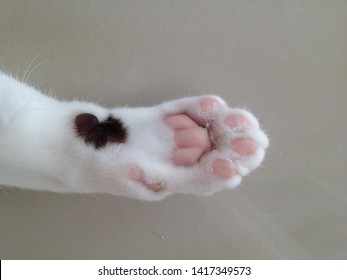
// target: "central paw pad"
[[192, 140]]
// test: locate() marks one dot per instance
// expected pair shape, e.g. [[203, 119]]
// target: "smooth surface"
[[286, 61]]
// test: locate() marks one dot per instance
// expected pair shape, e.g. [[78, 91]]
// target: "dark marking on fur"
[[99, 134]]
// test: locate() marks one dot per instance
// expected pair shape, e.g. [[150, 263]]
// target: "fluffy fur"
[[40, 149]]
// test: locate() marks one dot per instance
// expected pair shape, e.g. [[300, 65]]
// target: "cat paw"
[[214, 146]]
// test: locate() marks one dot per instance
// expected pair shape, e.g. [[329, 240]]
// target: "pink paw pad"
[[244, 146], [137, 174], [181, 121], [224, 169], [192, 141], [237, 121], [208, 104], [196, 137], [187, 156]]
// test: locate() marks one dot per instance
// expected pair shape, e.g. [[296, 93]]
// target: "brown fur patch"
[[99, 134]]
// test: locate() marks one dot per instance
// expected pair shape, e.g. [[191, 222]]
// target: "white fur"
[[39, 148]]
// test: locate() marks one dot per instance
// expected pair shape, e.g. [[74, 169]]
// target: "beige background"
[[284, 60]]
